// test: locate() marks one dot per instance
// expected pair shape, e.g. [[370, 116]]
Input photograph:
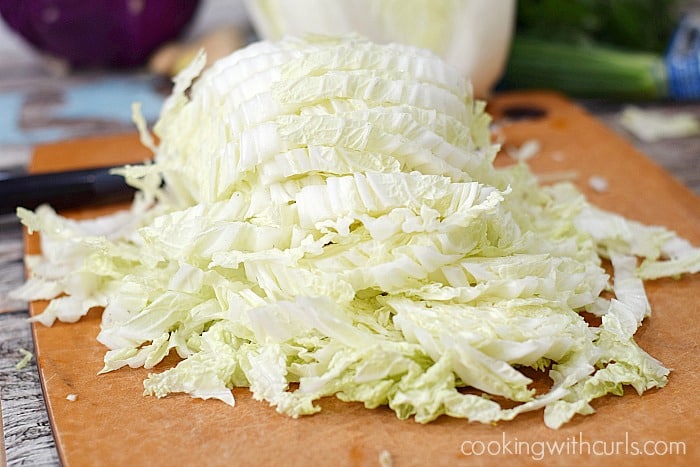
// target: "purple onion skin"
[[98, 33]]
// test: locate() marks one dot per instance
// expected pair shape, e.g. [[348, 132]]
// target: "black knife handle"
[[64, 190]]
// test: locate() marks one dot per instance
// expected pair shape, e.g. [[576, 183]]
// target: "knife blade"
[[64, 190]]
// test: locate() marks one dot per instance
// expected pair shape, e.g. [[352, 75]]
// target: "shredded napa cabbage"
[[331, 224]]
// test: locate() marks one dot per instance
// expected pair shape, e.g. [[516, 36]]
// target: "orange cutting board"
[[112, 423]]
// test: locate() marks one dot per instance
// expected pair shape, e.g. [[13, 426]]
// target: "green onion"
[[585, 70]]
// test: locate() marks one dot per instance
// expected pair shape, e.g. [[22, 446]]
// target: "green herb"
[[593, 48], [584, 70]]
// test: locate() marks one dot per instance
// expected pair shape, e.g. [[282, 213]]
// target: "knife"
[[64, 190]]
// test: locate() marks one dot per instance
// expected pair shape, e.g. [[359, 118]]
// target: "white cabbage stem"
[[472, 35]]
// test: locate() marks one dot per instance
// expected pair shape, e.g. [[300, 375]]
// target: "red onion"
[[98, 33]]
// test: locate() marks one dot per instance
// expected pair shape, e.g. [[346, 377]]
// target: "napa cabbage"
[[323, 218]]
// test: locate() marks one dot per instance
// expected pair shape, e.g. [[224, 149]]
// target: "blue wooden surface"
[[76, 110]]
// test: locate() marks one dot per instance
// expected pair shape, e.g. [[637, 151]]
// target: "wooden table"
[[36, 97]]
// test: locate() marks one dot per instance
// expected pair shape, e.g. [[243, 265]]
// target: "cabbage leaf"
[[329, 226]]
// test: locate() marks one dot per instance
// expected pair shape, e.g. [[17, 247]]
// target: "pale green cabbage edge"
[[331, 224]]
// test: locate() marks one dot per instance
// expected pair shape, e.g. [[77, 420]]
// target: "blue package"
[[683, 60]]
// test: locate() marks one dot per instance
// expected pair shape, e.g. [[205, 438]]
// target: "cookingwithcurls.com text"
[[576, 445]]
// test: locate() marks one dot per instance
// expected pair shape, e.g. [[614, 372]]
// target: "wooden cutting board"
[[111, 423]]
